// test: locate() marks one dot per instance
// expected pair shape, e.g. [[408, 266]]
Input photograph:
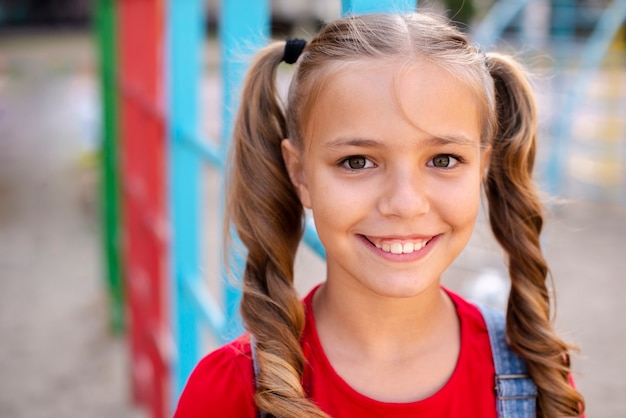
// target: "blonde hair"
[[263, 205]]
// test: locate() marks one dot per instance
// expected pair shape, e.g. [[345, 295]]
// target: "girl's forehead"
[[403, 79], [395, 74], [343, 76], [380, 97]]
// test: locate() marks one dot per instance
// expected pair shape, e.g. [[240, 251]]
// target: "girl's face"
[[391, 168]]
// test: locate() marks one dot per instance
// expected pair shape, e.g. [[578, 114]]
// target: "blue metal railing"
[[498, 18], [377, 6], [566, 16], [593, 53], [184, 42]]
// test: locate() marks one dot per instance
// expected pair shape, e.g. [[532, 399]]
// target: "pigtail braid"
[[515, 214], [265, 209]]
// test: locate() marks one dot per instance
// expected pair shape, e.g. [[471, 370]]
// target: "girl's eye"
[[444, 161], [356, 162]]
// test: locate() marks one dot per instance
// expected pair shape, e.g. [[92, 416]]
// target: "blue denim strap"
[[516, 393]]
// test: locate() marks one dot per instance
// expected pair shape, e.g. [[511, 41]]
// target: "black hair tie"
[[293, 49]]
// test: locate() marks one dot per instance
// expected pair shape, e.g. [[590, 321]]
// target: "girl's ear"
[[293, 161]]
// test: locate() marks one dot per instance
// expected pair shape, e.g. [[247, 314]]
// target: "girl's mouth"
[[396, 246]]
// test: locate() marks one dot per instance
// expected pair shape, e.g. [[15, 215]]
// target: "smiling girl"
[[393, 124]]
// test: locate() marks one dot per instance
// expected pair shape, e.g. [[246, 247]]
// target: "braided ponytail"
[[263, 206], [515, 214]]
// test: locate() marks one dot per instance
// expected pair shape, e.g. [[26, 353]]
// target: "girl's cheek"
[[462, 197]]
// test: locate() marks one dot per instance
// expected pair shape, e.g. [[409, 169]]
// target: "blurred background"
[[63, 353]]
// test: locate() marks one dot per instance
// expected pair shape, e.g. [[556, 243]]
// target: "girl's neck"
[[391, 350], [381, 326]]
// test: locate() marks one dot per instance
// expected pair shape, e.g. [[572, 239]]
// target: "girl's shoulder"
[[222, 384]]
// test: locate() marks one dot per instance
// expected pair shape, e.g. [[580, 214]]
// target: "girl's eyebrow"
[[353, 142], [459, 140]]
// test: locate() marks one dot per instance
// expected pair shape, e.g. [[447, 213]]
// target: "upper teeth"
[[402, 247]]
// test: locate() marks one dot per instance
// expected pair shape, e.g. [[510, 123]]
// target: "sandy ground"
[[57, 355]]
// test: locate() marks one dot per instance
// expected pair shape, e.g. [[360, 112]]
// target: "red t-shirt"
[[222, 385]]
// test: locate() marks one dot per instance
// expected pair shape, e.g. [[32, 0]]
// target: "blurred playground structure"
[[168, 97]]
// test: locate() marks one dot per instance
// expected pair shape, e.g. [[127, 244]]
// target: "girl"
[[391, 125]]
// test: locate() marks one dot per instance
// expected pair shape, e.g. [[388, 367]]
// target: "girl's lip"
[[401, 249], [389, 240]]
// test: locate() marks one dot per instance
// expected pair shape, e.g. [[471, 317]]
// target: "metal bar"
[[499, 17], [142, 139], [590, 61], [377, 6], [135, 91], [241, 34], [209, 153], [205, 305], [184, 44], [311, 239]]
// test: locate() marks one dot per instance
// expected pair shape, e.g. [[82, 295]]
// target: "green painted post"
[[105, 19]]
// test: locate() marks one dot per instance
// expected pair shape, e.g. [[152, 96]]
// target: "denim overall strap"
[[515, 391]]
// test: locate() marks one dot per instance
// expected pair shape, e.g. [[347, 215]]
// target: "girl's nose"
[[404, 195]]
